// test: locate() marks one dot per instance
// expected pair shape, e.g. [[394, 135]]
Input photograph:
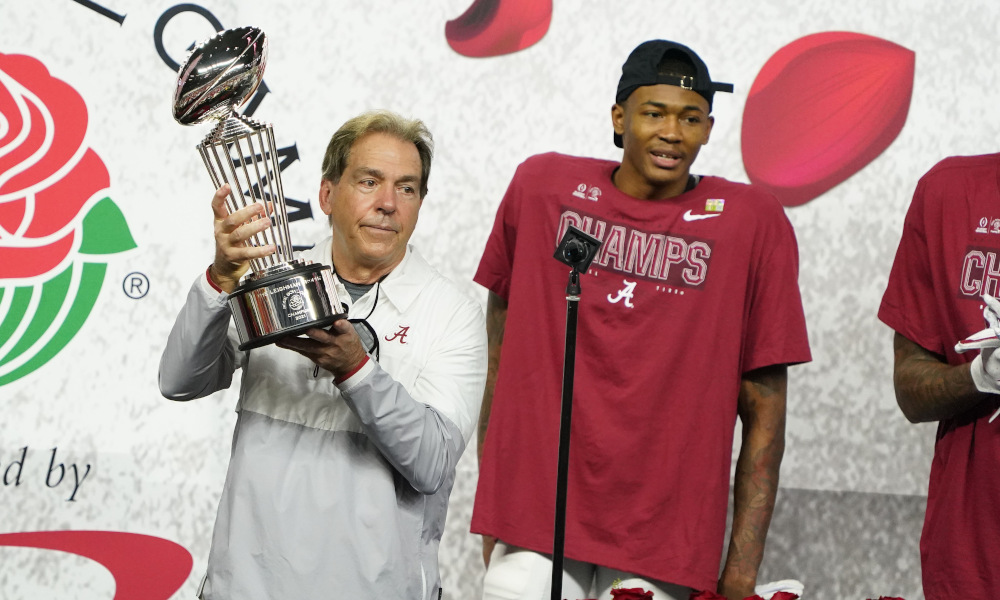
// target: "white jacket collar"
[[401, 286]]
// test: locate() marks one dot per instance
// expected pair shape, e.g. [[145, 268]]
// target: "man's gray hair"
[[338, 151]]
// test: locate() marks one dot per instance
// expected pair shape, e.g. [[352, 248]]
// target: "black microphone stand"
[[577, 249], [566, 415]]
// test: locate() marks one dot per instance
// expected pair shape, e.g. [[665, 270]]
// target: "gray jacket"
[[338, 490]]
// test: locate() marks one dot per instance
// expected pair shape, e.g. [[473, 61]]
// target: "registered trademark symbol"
[[135, 285]]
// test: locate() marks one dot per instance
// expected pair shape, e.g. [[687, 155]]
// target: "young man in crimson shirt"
[[946, 262], [689, 315]]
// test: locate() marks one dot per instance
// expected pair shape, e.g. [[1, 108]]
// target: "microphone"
[[577, 249]]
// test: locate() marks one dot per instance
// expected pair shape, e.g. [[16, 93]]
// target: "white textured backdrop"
[[854, 471]]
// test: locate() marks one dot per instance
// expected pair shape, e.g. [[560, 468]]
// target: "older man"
[[344, 455]]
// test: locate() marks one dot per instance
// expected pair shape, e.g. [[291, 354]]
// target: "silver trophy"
[[280, 295]]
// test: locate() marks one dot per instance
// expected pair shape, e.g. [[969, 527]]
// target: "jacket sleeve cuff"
[[208, 280], [212, 293], [349, 380]]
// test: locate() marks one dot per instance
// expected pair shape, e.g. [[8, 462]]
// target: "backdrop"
[[111, 491]]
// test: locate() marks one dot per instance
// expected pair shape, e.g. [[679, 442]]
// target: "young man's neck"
[[645, 191]]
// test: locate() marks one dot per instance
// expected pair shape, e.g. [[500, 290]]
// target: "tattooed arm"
[[762, 411], [496, 322], [927, 387]]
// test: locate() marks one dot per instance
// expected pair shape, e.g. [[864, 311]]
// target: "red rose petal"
[[11, 214], [821, 109], [495, 27], [58, 204], [21, 262], [11, 112], [69, 122], [144, 567]]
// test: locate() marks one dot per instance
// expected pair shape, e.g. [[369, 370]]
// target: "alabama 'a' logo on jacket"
[[674, 260]]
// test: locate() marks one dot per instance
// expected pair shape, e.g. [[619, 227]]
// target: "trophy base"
[[282, 301]]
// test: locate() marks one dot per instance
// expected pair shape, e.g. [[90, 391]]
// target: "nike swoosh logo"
[[689, 217]]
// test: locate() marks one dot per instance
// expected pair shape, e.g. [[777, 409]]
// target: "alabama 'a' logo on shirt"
[[624, 295], [677, 261], [399, 335]]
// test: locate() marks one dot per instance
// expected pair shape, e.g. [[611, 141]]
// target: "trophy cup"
[[280, 295]]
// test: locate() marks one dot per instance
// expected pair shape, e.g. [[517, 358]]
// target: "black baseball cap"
[[642, 67]]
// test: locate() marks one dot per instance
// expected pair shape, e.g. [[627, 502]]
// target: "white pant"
[[518, 574]]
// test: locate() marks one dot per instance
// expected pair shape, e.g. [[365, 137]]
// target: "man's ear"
[[708, 130], [618, 118], [326, 195]]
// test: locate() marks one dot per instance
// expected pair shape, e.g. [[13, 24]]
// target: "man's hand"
[[338, 350], [232, 256]]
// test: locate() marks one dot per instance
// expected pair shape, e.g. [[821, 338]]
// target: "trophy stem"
[[286, 236], [254, 190], [242, 153]]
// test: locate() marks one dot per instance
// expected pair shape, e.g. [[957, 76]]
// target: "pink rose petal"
[[821, 109], [495, 27]]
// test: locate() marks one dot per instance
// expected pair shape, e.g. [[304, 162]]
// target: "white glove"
[[985, 368], [767, 590], [986, 338], [986, 371]]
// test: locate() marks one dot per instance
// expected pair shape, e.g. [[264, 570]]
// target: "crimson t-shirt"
[[949, 255], [685, 295]]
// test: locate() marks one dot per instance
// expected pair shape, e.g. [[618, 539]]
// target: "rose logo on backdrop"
[[57, 223]]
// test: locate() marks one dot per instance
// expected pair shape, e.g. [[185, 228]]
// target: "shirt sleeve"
[[776, 325], [200, 356], [423, 434], [908, 305], [495, 266]]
